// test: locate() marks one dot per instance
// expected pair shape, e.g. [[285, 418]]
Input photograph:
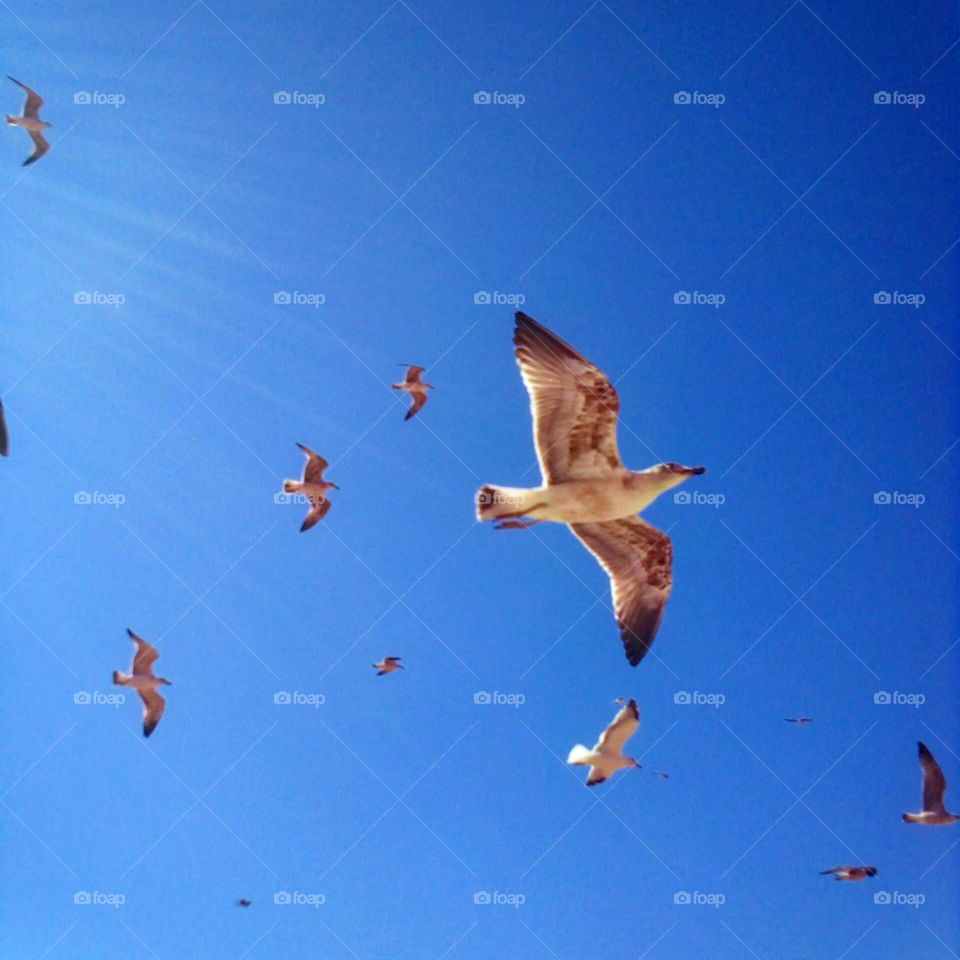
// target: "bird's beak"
[[335, 487], [689, 471]]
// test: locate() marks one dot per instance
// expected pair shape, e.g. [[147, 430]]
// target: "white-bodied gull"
[[607, 757], [934, 813], [31, 122]]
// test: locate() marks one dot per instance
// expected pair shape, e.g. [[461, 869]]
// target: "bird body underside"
[[138, 681], [930, 818], [575, 501], [28, 123]]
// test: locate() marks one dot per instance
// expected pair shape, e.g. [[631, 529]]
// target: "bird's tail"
[[9, 118], [911, 818], [292, 486], [578, 755], [120, 678], [495, 502]]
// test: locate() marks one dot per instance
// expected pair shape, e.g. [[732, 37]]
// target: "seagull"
[[606, 757], [312, 486], [31, 122], [934, 787], [661, 774], [388, 665], [4, 441], [417, 389], [801, 721], [585, 483], [145, 683], [244, 902], [850, 874]]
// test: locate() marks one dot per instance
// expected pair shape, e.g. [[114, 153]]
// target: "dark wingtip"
[[130, 633]]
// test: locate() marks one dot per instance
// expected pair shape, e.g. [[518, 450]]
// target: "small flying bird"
[[312, 486], [388, 665], [585, 483], [934, 814], [4, 441], [31, 122], [661, 774], [607, 757], [244, 902], [142, 679], [800, 721], [417, 389], [850, 874]]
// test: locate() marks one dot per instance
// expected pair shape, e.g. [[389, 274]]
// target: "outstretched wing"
[[934, 782], [40, 147], [413, 374], [622, 728], [144, 658], [638, 558], [315, 465], [320, 509], [574, 406], [34, 101], [419, 398], [153, 706]]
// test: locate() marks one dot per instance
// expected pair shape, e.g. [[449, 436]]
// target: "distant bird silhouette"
[[850, 874], [243, 902], [800, 721], [388, 665]]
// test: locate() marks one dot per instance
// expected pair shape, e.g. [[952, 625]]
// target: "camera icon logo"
[[481, 697], [481, 96], [482, 897], [82, 97], [681, 897], [882, 497], [81, 697], [681, 496], [281, 96], [82, 296], [881, 96], [682, 297], [281, 898], [82, 898], [81, 497], [882, 297], [282, 297], [882, 897], [882, 698], [682, 96], [682, 697], [481, 297], [282, 697]]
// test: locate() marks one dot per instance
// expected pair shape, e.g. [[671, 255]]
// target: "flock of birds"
[[585, 486]]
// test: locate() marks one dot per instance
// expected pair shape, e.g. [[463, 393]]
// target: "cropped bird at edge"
[[417, 389], [142, 679], [31, 122], [585, 483], [4, 440], [607, 756], [312, 486], [934, 813]]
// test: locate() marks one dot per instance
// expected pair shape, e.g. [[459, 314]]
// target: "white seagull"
[[934, 814], [585, 483], [31, 122], [417, 389], [141, 678], [312, 486], [606, 757], [850, 874], [388, 665]]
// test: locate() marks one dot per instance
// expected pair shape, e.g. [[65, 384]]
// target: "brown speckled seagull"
[[312, 486], [141, 678], [585, 483], [414, 385]]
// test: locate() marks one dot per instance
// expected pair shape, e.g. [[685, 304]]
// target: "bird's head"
[[635, 762], [669, 475], [163, 681]]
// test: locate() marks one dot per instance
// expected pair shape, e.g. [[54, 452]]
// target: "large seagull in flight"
[[585, 483]]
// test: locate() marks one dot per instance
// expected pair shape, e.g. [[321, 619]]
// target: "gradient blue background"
[[400, 798]]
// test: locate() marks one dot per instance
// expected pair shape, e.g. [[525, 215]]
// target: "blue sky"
[[782, 200]]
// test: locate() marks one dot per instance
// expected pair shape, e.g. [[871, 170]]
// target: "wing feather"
[[934, 782], [153, 707], [622, 728], [144, 658]]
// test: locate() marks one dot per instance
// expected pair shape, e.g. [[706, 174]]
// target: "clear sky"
[[180, 199]]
